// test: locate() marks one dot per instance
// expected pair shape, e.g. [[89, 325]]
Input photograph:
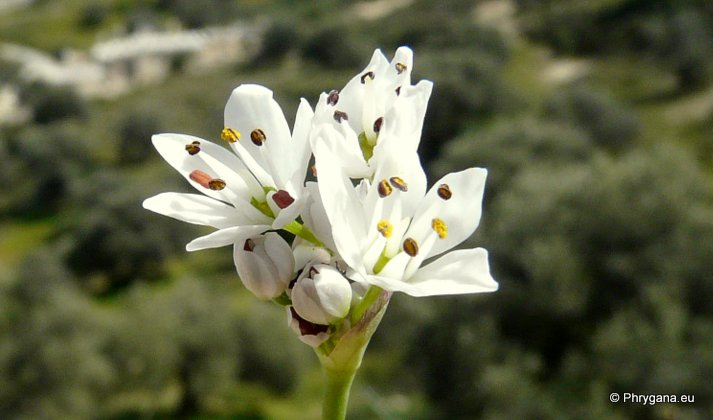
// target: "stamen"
[[206, 181], [249, 245], [283, 199], [439, 226], [385, 228], [378, 123], [398, 183], [257, 136], [230, 135], [400, 68], [384, 188], [193, 148], [398, 91], [369, 74], [444, 191], [410, 247], [333, 97], [340, 115]]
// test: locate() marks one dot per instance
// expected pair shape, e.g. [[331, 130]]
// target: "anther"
[[206, 181], [439, 226], [410, 247], [384, 188], [400, 68], [398, 183], [369, 74], [249, 245], [340, 115], [257, 136], [230, 135], [444, 191], [283, 199], [333, 97], [193, 148], [378, 123], [398, 91], [385, 228]]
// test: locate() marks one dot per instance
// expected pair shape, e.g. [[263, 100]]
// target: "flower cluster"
[[365, 224]]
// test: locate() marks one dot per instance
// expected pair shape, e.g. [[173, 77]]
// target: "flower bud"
[[322, 295], [265, 265]]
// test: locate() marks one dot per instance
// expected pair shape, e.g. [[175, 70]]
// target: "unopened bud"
[[265, 265], [322, 296]]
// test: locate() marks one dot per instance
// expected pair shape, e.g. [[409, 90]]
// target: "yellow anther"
[[439, 226], [230, 135], [385, 228], [410, 247], [384, 188], [400, 67]]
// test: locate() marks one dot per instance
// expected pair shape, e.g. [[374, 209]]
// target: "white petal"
[[301, 151], [196, 209], [212, 159], [227, 236], [461, 213], [280, 253], [403, 122], [252, 107], [458, 272], [340, 201], [315, 217], [351, 96]]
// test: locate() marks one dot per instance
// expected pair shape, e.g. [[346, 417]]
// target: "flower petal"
[[301, 150], [340, 200], [460, 210], [196, 209], [227, 236], [458, 272], [252, 107], [212, 159]]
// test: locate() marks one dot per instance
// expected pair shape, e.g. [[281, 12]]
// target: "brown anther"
[[384, 188], [369, 74], [439, 226], [398, 91], [339, 116], [400, 67], [385, 228], [444, 191], [249, 245], [378, 123], [398, 183], [283, 199], [333, 97], [257, 136], [230, 135], [193, 148], [410, 247], [216, 184]]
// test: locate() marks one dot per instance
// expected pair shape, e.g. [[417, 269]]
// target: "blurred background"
[[594, 119]]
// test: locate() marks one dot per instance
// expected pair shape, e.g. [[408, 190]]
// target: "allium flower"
[[364, 109], [386, 228], [257, 188]]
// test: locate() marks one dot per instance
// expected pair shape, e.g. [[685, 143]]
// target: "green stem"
[[298, 229], [336, 397], [369, 298]]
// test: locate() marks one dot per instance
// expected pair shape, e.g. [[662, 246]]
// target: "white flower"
[[364, 109], [257, 190], [265, 265], [321, 294], [385, 229]]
